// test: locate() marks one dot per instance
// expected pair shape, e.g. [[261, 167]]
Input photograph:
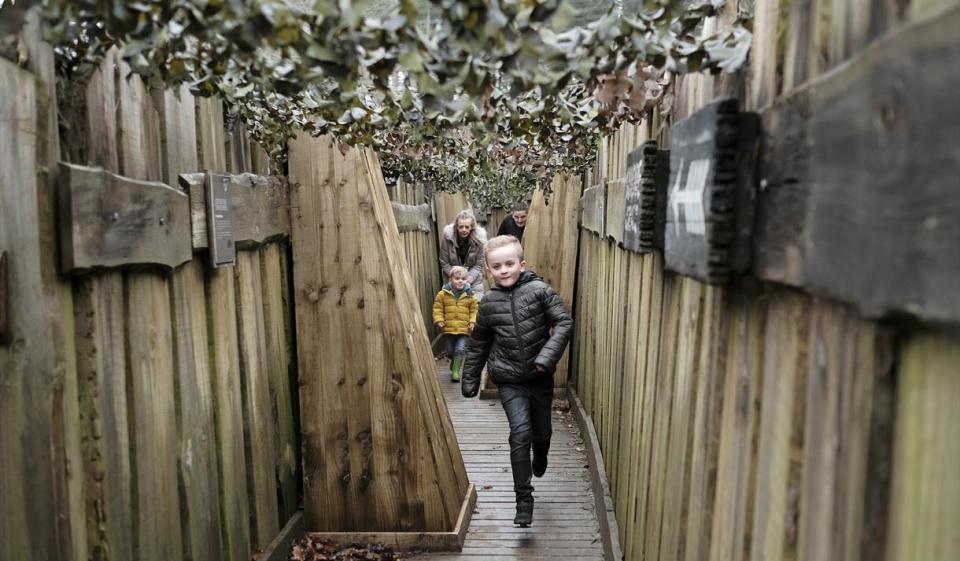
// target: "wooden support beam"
[[859, 194], [711, 195], [412, 218], [107, 220], [645, 199], [260, 207], [593, 208]]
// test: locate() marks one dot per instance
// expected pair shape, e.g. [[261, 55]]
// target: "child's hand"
[[441, 325], [471, 326], [541, 369]]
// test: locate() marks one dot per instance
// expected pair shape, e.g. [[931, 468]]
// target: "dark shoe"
[[539, 463], [524, 514]]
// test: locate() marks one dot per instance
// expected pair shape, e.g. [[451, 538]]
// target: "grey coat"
[[475, 259], [513, 334]]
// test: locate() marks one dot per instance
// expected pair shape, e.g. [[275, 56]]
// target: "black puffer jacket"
[[512, 334]]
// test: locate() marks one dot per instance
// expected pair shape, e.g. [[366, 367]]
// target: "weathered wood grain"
[[108, 220], [550, 242], [926, 485], [260, 206], [784, 365], [742, 386], [35, 366], [211, 148], [379, 450], [228, 414], [840, 151], [279, 368], [258, 426], [592, 209], [711, 195], [412, 218]]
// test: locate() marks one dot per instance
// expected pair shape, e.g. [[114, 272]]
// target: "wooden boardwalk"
[[565, 524]]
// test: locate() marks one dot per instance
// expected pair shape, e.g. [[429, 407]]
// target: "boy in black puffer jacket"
[[513, 338]]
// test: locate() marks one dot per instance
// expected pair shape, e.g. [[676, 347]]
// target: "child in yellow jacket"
[[455, 313]]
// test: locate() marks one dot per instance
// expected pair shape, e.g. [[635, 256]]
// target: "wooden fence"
[[418, 234], [149, 411], [754, 420]]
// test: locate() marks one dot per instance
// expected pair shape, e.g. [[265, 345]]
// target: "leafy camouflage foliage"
[[483, 95]]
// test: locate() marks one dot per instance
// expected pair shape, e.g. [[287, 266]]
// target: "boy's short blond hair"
[[503, 241], [458, 271]]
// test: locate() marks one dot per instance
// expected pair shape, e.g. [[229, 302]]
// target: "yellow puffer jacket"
[[455, 313]]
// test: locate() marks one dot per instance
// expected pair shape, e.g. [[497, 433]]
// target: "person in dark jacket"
[[521, 331], [514, 224]]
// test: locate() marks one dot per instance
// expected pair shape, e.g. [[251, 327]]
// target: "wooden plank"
[[784, 366], [234, 501], [260, 208], [926, 487], [763, 63], [211, 150], [279, 549], [138, 127], [279, 365], [593, 211], [711, 196], [4, 305], [36, 368], [179, 134], [662, 405], [676, 485], [107, 220], [152, 412], [614, 213], [852, 231], [197, 458], [258, 426], [412, 218], [706, 430], [379, 450], [645, 198], [742, 386], [447, 205], [839, 387]]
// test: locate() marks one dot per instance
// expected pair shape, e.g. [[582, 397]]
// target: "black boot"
[[524, 515], [540, 458]]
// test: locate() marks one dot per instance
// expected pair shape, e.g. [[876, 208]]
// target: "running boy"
[[455, 313], [513, 338]]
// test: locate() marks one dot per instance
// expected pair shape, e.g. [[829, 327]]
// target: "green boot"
[[455, 369]]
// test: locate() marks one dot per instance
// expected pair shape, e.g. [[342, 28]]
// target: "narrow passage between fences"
[[565, 524]]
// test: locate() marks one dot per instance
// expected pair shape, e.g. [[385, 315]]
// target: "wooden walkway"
[[565, 524]]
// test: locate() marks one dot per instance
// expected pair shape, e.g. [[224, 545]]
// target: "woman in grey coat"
[[462, 244]]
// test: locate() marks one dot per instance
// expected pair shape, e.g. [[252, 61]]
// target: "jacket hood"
[[479, 234], [449, 288]]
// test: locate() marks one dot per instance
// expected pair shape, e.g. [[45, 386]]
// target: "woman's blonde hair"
[[465, 214]]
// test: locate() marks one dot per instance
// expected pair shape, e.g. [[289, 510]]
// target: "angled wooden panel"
[[835, 216], [108, 220], [379, 450]]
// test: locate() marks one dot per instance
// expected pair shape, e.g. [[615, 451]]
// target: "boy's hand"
[[471, 326], [541, 369], [441, 325]]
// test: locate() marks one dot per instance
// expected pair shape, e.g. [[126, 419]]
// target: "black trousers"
[[528, 408]]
